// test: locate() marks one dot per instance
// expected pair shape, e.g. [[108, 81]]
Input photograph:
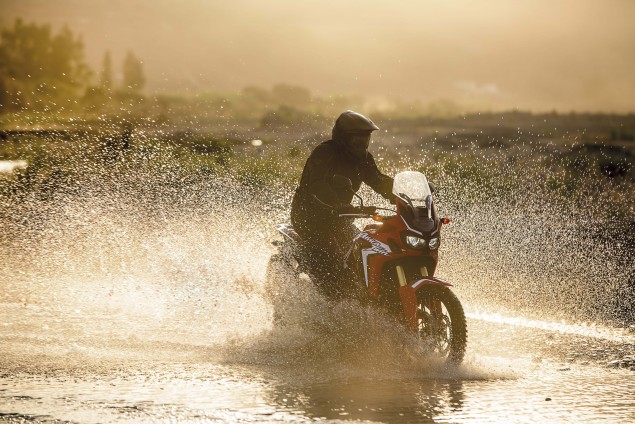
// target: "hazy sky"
[[529, 54]]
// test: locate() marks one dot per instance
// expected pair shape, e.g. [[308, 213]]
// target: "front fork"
[[401, 275]]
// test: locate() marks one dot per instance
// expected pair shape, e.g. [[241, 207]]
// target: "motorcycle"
[[393, 262]]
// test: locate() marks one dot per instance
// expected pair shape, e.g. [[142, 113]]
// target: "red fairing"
[[390, 233]]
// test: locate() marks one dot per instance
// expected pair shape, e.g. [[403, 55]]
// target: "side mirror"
[[433, 187], [342, 183]]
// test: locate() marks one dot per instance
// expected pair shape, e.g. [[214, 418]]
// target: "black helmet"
[[352, 122], [348, 129]]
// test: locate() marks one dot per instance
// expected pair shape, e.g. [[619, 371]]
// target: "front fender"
[[408, 294]]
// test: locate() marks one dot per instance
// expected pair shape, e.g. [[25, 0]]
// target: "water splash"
[[149, 255]]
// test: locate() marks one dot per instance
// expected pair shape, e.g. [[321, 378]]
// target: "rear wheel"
[[441, 322]]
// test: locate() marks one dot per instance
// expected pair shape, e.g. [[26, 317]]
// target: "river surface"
[[95, 366]]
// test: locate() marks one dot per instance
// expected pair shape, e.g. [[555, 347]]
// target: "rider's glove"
[[369, 210], [350, 209]]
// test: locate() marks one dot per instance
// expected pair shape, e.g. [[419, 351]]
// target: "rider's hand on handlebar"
[[345, 209], [350, 210], [368, 210]]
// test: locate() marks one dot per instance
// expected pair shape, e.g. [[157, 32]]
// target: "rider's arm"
[[379, 182], [319, 174]]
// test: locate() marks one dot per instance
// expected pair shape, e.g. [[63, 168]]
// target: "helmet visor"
[[357, 144]]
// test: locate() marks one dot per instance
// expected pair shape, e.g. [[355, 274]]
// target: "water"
[[8, 166], [513, 373], [141, 299]]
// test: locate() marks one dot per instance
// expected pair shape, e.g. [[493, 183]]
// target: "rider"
[[317, 200]]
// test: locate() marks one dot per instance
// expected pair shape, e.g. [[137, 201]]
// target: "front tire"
[[441, 323]]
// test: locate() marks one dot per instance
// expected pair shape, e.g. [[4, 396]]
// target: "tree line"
[[45, 70]]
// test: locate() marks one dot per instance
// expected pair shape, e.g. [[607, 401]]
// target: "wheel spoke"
[[435, 325]]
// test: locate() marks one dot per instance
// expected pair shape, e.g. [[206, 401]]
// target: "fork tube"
[[401, 275]]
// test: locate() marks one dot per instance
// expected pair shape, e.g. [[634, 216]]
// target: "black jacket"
[[326, 160]]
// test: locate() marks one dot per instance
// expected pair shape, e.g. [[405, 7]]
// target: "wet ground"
[[95, 366]]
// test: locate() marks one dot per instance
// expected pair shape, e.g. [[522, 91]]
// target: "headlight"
[[415, 242], [434, 243]]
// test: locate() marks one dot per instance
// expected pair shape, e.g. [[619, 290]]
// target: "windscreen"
[[414, 185]]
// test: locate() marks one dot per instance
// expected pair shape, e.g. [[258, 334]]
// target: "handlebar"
[[351, 211], [355, 211]]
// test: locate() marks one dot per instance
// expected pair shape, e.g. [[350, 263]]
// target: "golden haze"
[[489, 54]]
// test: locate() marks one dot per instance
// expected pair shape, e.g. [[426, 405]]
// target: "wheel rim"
[[435, 326]]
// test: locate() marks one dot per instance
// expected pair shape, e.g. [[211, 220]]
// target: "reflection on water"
[[220, 392], [51, 371], [591, 330]]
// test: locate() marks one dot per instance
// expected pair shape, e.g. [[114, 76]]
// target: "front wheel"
[[441, 322]]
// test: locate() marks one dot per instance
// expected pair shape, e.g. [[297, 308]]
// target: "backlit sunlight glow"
[[149, 148], [539, 55], [582, 329]]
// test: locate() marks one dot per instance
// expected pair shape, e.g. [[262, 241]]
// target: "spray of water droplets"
[[151, 249]]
